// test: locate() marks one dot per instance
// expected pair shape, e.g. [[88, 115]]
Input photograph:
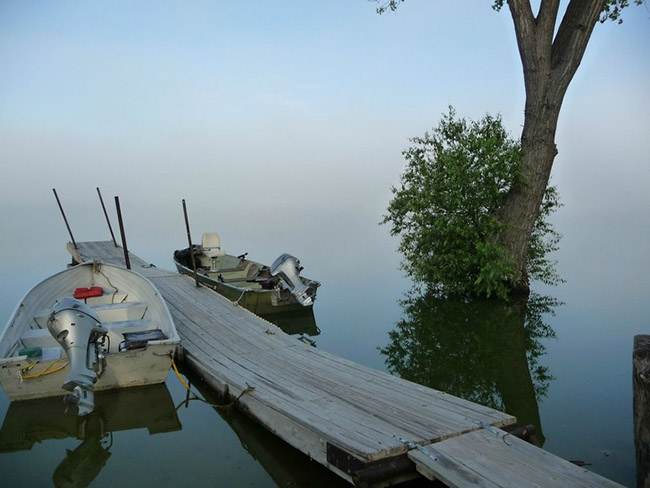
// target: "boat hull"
[[259, 301], [33, 363], [153, 366]]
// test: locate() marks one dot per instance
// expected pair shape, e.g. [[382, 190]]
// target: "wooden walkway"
[[369, 427]]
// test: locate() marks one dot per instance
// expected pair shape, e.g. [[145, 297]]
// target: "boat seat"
[[116, 330], [115, 312], [138, 340], [107, 312], [211, 245], [108, 298], [38, 338]]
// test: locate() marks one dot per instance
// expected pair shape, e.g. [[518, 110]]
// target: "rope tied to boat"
[[246, 390], [246, 290], [178, 375], [45, 372], [97, 269]]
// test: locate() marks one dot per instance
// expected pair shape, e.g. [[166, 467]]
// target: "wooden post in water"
[[189, 243], [64, 218], [101, 200], [641, 382], [127, 261]]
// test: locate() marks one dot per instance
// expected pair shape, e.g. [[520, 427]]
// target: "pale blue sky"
[[288, 118]]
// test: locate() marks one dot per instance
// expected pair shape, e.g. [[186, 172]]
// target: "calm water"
[[558, 362]]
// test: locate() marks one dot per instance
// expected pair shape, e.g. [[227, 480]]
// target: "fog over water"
[[282, 125]]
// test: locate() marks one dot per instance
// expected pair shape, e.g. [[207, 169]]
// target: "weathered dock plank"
[[350, 418], [491, 458]]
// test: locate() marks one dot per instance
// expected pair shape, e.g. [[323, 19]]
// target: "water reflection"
[[286, 465], [481, 350], [35, 421], [295, 322]]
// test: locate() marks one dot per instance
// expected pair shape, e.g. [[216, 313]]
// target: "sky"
[[282, 124]]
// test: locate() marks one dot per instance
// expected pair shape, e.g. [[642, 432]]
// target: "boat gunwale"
[[244, 289], [308, 281], [5, 358]]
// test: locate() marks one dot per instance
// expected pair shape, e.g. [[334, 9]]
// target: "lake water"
[[561, 361]]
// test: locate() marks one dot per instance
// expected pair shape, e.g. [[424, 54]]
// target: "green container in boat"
[[31, 352]]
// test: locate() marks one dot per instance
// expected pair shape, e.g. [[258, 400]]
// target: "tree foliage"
[[611, 8], [551, 47], [445, 210]]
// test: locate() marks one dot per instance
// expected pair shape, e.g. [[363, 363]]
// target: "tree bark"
[[549, 64]]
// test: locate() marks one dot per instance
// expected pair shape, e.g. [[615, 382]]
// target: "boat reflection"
[[35, 421], [295, 322], [485, 351]]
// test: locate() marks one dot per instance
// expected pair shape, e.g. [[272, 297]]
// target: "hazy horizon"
[[283, 125]]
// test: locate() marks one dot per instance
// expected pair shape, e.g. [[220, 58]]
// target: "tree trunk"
[[549, 64]]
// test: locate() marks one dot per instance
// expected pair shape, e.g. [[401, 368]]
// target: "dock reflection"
[[482, 350], [286, 465], [31, 422]]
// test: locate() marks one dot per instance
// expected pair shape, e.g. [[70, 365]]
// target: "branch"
[[547, 18], [388, 4], [572, 38], [525, 31]]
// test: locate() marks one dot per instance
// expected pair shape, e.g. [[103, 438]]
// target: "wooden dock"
[[369, 427]]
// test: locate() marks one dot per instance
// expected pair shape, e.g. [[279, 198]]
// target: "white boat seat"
[[108, 298], [107, 312], [38, 338], [252, 271], [211, 245], [116, 330], [115, 312]]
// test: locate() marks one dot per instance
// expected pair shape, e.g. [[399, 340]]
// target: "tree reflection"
[[482, 350]]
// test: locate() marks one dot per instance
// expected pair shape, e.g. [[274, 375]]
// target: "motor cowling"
[[78, 330], [287, 267]]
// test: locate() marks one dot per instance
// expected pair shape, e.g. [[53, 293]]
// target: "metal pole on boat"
[[189, 243], [106, 215], [64, 218], [119, 219]]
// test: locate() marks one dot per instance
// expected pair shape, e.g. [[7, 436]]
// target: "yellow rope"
[[187, 400], [46, 371], [180, 378]]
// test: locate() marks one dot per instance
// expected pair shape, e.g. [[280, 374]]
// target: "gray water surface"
[[561, 363]]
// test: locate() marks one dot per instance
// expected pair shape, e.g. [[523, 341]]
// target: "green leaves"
[[612, 9], [445, 208]]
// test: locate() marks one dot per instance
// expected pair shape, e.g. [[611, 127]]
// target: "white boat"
[[89, 328]]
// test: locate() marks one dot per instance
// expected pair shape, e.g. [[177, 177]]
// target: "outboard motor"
[[288, 268], [78, 329]]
